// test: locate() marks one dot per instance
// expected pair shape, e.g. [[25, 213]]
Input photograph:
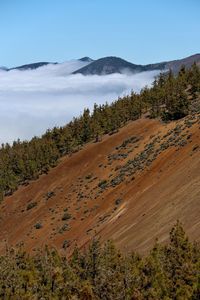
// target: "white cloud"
[[34, 100]]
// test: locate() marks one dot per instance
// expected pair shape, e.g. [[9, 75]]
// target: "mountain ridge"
[[32, 66], [112, 64]]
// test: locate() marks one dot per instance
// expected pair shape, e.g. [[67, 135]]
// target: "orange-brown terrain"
[[130, 187]]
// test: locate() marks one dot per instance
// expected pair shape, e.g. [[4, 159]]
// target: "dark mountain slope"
[[32, 66], [110, 65], [2, 68], [175, 65]]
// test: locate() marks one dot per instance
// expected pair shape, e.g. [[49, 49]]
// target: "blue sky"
[[141, 31]]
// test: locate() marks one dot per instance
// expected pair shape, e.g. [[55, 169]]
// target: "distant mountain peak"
[[108, 65], [86, 59]]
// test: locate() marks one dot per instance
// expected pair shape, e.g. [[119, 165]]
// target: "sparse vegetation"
[[31, 205], [195, 147], [38, 225], [102, 184], [118, 201], [64, 227], [49, 195], [66, 244], [66, 216]]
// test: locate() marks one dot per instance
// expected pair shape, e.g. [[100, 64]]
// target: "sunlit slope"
[[130, 187]]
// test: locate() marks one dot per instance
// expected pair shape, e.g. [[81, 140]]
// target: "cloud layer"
[[34, 100]]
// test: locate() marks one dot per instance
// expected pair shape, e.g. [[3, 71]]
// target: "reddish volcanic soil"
[[153, 191]]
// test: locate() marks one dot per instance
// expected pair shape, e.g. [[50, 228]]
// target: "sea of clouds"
[[34, 100]]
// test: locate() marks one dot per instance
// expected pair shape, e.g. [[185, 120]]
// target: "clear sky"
[[141, 31]]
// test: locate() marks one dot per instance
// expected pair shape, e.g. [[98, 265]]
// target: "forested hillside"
[[170, 98], [127, 172], [168, 272]]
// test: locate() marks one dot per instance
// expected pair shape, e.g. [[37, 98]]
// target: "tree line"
[[169, 98], [169, 272]]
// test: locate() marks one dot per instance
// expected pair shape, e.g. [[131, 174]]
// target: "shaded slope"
[[32, 66], [131, 187], [175, 65], [110, 65]]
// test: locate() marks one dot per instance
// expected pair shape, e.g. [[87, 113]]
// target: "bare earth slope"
[[130, 187]]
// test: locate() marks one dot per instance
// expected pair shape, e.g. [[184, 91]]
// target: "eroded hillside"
[[130, 187]]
